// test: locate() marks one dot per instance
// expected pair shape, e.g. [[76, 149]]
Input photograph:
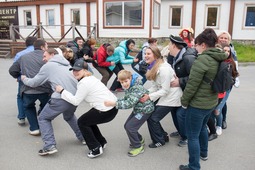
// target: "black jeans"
[[88, 125], [106, 74], [115, 83]]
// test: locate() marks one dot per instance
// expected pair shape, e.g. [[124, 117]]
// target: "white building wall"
[[224, 11], [83, 19], [25, 31], [239, 32], [124, 33], [165, 30], [54, 31]]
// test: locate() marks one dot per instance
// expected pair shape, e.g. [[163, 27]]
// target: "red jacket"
[[101, 56]]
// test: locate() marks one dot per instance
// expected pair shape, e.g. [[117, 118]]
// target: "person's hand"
[[59, 88], [22, 77], [144, 98], [175, 82], [85, 57], [112, 63], [136, 60], [109, 103]]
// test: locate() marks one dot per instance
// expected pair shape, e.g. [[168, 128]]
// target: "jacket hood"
[[216, 54], [59, 59], [123, 45], [135, 80]]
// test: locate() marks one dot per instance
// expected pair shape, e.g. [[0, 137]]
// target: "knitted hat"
[[177, 40]]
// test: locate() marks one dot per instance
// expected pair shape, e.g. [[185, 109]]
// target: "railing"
[[40, 30]]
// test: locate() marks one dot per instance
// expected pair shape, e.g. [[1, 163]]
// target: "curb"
[[244, 64]]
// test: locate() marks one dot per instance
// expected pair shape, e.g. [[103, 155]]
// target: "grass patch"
[[245, 53]]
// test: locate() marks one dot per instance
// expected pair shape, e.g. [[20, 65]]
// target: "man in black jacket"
[[181, 58]]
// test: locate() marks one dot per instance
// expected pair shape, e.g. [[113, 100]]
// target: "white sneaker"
[[35, 132], [218, 130]]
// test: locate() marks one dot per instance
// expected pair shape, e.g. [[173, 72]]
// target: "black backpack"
[[223, 80]]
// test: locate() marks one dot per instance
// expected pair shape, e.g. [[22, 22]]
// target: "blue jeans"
[[30, 110], [157, 132], [196, 120], [21, 113], [219, 117], [181, 116]]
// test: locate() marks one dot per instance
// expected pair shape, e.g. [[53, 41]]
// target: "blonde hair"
[[224, 32], [152, 73], [124, 74]]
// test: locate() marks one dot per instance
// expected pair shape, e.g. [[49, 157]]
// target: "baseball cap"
[[79, 65]]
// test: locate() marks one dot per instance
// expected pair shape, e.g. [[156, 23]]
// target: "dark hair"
[[63, 48], [30, 41], [152, 40], [77, 38], [208, 36], [38, 43], [130, 41]]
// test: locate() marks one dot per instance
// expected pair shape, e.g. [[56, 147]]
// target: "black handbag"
[[143, 67]]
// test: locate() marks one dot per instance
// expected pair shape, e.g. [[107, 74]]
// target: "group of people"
[[177, 86]]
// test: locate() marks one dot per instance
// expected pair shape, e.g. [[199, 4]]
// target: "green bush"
[[245, 53]]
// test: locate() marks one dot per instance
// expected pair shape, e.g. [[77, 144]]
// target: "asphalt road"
[[234, 149]]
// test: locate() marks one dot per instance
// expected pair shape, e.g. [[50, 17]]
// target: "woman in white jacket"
[[94, 92], [166, 98]]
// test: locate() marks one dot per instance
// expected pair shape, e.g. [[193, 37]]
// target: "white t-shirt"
[[93, 91]]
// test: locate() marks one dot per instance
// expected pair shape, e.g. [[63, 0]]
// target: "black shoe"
[[184, 167], [156, 145], [212, 137], [174, 134], [224, 124], [166, 138], [103, 145], [204, 158], [49, 151], [95, 152]]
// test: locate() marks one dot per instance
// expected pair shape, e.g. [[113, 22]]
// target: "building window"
[[212, 16], [75, 16], [250, 16], [156, 15], [28, 18], [123, 13], [50, 17], [175, 16]]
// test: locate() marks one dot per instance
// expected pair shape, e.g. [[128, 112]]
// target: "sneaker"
[[95, 152], [21, 122], [103, 145], [35, 132], [204, 158], [156, 145], [136, 151], [212, 137], [166, 138], [184, 167], [224, 124], [49, 151], [142, 143], [183, 143], [174, 134], [218, 130]]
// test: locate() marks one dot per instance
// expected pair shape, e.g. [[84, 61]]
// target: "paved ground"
[[234, 150]]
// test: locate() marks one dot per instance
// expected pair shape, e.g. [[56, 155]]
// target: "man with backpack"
[[181, 58]]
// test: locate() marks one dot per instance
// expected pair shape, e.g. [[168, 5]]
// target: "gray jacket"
[[29, 65], [56, 71]]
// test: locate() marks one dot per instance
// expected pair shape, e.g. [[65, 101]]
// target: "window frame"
[[218, 6], [25, 17], [47, 17], [123, 22], [72, 15], [158, 15], [171, 7], [245, 17]]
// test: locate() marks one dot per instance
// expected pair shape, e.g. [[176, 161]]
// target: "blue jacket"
[[120, 55]]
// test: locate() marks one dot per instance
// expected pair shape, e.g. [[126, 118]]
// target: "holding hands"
[[59, 88]]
